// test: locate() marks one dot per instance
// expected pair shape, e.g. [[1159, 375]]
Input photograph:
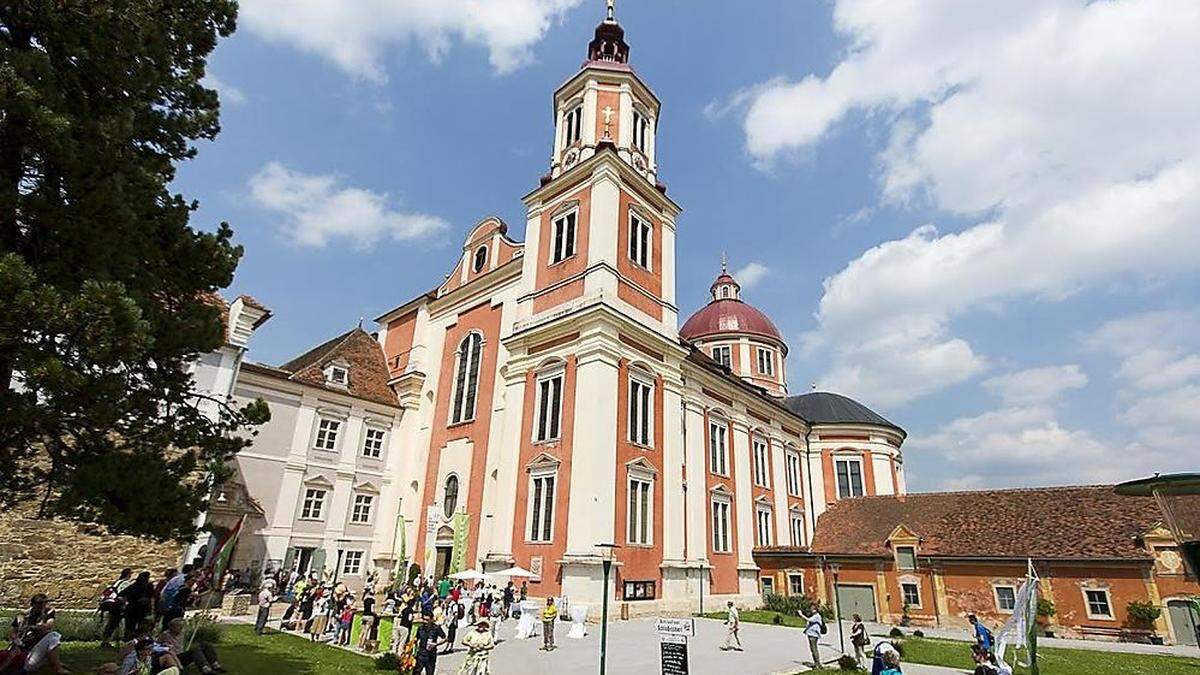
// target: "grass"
[[1052, 660], [243, 652]]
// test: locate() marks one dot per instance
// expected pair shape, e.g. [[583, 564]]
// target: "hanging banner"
[[458, 554]]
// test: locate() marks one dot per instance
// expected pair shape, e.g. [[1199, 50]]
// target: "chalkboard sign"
[[674, 655]]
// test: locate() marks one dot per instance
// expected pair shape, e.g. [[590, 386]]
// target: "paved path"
[[1090, 645]]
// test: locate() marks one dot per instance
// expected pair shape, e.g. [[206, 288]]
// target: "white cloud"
[[1071, 125], [1036, 385], [227, 92], [356, 35], [317, 208], [1153, 347], [751, 273]]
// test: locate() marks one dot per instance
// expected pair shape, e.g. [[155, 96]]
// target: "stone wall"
[[70, 562]]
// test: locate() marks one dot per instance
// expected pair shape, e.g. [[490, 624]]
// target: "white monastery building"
[[544, 401]]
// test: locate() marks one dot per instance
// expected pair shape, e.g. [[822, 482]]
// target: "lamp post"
[[837, 606], [607, 552]]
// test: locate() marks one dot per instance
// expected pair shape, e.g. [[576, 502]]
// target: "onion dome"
[[609, 43], [727, 314]]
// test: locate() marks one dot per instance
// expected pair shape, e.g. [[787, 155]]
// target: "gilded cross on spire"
[[612, 10]]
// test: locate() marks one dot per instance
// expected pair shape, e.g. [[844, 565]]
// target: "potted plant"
[[1045, 611]]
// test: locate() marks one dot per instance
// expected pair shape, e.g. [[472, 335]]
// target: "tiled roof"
[[363, 357], [1044, 523]]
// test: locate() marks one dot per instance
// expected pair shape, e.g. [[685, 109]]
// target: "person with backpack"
[[814, 628], [859, 639], [112, 606], [983, 636]]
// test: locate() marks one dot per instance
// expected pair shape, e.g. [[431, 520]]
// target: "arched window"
[[450, 500], [466, 378], [481, 254]]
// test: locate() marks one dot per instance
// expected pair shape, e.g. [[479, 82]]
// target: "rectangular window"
[[563, 243], [723, 356], [373, 443], [549, 408], [912, 594], [796, 584], [641, 131], [360, 514], [327, 433], [797, 529], [906, 558], [766, 362], [641, 512], [639, 241], [1006, 598], [1097, 603], [573, 125], [718, 450], [314, 504], [720, 526], [638, 590], [792, 462], [641, 406], [767, 585], [849, 478], [763, 526], [352, 563], [541, 522], [761, 470]]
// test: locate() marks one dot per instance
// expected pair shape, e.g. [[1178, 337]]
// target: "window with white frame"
[[373, 442], [641, 410], [766, 362], [360, 514], [718, 447], [562, 241], [352, 563], [480, 259], [762, 530], [911, 593], [639, 240], [720, 525], [761, 470], [1099, 605], [797, 529], [795, 583], [337, 375], [547, 426], [906, 557], [573, 125], [541, 505], [641, 130], [327, 434], [792, 469], [313, 507], [723, 355], [466, 378], [849, 478], [767, 585], [1006, 598], [641, 511]]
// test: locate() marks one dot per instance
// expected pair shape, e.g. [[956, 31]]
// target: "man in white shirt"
[[813, 631], [265, 597], [733, 622]]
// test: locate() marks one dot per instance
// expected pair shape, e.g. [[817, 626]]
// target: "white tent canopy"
[[468, 575], [514, 572]]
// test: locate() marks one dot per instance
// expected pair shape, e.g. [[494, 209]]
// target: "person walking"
[[479, 644], [430, 636], [983, 636], [112, 605], [139, 602], [549, 615], [453, 613], [733, 624], [265, 597], [814, 628], [860, 640]]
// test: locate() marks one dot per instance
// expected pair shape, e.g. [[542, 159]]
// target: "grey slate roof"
[[822, 407]]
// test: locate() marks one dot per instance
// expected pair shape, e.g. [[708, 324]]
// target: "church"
[[545, 406]]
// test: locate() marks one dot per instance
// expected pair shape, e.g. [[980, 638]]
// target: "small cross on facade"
[[608, 113], [612, 11]]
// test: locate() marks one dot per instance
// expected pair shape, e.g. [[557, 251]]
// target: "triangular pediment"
[[902, 534], [640, 464], [544, 460]]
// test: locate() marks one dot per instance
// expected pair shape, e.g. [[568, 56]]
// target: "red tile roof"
[[1044, 523], [364, 361]]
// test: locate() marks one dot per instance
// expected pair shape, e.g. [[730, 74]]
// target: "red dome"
[[729, 316]]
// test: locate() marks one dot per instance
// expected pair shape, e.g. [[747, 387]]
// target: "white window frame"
[[763, 525], [564, 231], [535, 530], [904, 596], [356, 555], [766, 361], [312, 506], [641, 131], [640, 247], [996, 594], [639, 516], [722, 515], [760, 453], [478, 264], [792, 469], [328, 432], [373, 446], [362, 511], [641, 409], [547, 425], [573, 126], [723, 354], [792, 576], [337, 375], [862, 480], [1087, 605], [463, 400], [718, 463], [796, 528]]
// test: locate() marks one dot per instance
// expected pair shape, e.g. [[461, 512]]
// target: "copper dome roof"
[[729, 316]]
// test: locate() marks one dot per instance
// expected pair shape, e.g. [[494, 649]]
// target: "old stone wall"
[[70, 562]]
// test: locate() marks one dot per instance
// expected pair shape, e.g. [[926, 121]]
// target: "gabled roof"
[[822, 407], [1043, 523], [359, 352]]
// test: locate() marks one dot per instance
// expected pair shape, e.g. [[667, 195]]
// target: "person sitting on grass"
[[33, 634], [172, 650]]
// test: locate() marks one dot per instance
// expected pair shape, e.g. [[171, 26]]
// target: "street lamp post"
[[837, 606], [608, 551]]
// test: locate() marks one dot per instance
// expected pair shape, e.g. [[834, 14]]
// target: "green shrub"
[[1143, 613], [387, 661], [847, 662], [79, 626], [1045, 608], [794, 605], [896, 633], [918, 633], [777, 619]]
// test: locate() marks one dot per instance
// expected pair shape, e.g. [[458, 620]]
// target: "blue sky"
[[982, 221]]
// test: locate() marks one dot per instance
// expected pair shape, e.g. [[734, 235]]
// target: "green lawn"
[[1052, 661], [243, 652]]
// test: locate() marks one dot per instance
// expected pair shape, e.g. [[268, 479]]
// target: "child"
[[346, 620], [549, 614]]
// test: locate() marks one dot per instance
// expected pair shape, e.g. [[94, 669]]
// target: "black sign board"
[[674, 655]]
